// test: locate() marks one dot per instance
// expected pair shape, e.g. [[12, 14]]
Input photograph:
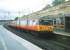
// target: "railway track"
[[46, 43]]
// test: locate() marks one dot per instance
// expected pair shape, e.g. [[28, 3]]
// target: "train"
[[36, 26]]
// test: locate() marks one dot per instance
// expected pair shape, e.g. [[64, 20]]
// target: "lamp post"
[[9, 15], [19, 18]]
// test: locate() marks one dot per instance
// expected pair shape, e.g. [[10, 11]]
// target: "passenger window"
[[33, 20]]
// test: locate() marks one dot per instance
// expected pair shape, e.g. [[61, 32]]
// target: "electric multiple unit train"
[[36, 25]]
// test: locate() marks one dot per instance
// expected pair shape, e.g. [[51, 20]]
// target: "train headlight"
[[50, 28]]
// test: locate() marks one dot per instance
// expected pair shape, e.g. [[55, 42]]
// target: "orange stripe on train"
[[36, 28]]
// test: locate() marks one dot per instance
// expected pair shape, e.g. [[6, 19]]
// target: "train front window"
[[45, 22]]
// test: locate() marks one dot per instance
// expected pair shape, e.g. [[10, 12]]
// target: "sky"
[[14, 7]]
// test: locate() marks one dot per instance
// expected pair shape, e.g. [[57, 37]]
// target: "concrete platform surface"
[[10, 41]]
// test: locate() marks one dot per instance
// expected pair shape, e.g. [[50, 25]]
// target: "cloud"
[[16, 5], [25, 6]]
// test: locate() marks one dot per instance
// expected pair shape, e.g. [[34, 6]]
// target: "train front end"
[[46, 25]]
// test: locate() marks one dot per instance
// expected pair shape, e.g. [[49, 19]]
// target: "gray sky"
[[24, 6]]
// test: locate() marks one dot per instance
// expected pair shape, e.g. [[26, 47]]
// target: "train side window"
[[33, 20]]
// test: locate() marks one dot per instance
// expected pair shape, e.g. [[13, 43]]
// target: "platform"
[[10, 41], [61, 32]]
